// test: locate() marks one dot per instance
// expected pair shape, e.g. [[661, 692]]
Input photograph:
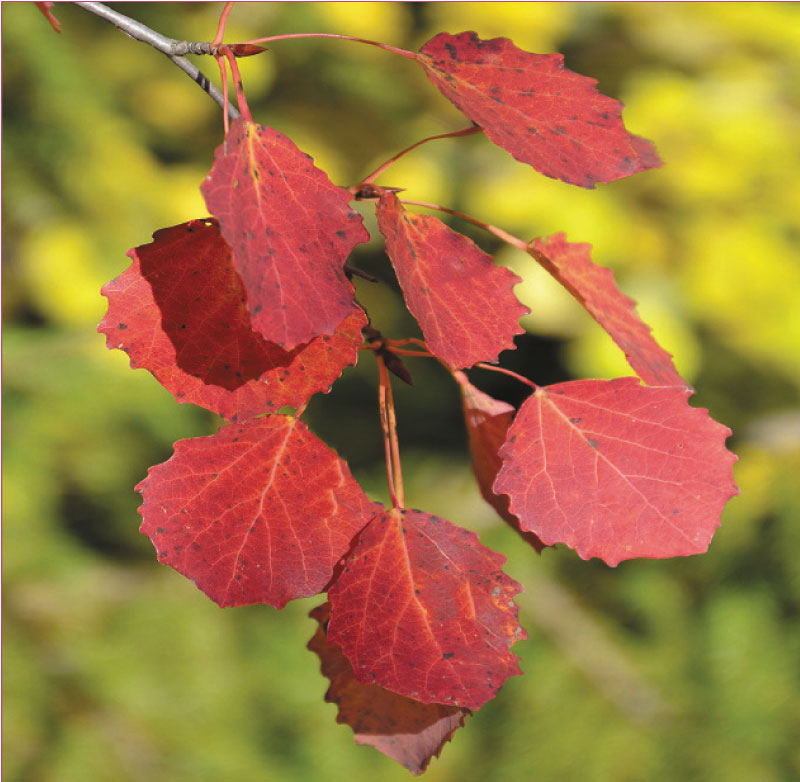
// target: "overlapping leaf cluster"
[[250, 311]]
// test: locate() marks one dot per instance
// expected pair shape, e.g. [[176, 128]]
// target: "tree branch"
[[171, 47]]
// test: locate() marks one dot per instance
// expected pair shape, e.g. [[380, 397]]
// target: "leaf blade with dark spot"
[[531, 106], [617, 470]]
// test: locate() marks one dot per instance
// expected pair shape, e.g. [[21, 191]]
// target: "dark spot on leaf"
[[447, 655]]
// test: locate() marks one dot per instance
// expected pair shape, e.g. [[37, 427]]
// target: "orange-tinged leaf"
[[179, 311], [421, 608], [464, 304], [403, 729], [258, 513], [290, 230], [595, 288], [487, 422], [617, 470], [536, 109]]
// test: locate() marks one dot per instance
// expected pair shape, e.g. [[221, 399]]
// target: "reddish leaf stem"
[[389, 423], [48, 14], [420, 353], [378, 171], [223, 20], [387, 47], [393, 343], [514, 241], [508, 372], [237, 83]]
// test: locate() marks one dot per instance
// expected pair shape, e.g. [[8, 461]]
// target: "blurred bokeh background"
[[115, 668]]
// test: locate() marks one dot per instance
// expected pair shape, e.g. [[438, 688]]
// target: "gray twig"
[[171, 47]]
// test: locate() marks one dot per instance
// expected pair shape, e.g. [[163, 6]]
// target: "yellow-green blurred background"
[[116, 668]]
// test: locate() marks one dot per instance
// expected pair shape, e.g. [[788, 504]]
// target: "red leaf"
[[179, 311], [447, 281], [421, 608], [617, 470], [487, 421], [594, 287], [536, 109], [257, 513], [290, 229], [403, 729]]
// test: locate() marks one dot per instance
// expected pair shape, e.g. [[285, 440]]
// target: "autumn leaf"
[[595, 288], [179, 311], [447, 282], [258, 513], [536, 109], [421, 608], [403, 729], [290, 229], [617, 470], [487, 422]]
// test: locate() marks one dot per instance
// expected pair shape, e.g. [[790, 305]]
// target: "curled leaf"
[[180, 312], [595, 288], [487, 421]]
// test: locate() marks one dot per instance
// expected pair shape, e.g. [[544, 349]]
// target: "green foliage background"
[[116, 668]]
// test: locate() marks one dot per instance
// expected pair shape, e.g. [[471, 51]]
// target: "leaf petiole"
[[223, 20], [508, 238], [237, 82], [394, 49], [389, 423], [508, 372], [378, 171]]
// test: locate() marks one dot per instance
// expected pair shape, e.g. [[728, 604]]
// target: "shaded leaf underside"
[[403, 729], [487, 421], [179, 311]]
